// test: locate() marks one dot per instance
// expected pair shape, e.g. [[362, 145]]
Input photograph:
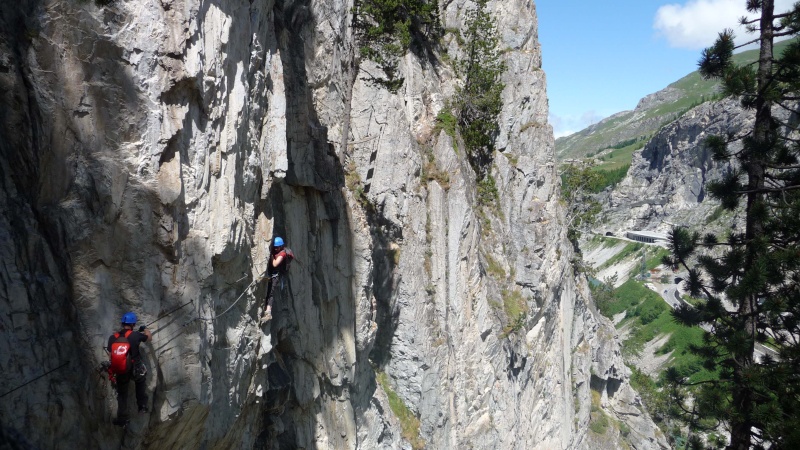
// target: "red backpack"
[[288, 258], [121, 361]]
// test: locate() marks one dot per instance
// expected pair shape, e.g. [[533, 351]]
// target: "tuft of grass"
[[494, 268], [427, 262], [514, 304], [512, 159], [431, 172], [599, 424], [515, 308], [531, 124], [624, 429], [487, 192], [598, 421], [409, 423], [352, 181], [485, 221], [447, 121], [595, 401]]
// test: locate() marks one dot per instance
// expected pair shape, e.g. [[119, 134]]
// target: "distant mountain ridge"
[[651, 113]]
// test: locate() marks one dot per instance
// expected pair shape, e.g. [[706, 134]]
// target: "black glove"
[[141, 328]]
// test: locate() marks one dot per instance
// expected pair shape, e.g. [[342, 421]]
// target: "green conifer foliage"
[[478, 101], [387, 29], [578, 184], [749, 278]]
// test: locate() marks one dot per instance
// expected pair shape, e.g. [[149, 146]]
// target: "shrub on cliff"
[[387, 29], [478, 101]]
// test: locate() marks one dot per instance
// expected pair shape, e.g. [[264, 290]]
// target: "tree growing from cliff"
[[387, 29], [478, 101], [578, 186], [749, 278]]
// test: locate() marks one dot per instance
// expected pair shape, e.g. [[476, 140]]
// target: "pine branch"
[[767, 190], [717, 244], [730, 155], [793, 336], [743, 21], [747, 43], [789, 139], [697, 383], [704, 288], [785, 108], [772, 180], [774, 166]]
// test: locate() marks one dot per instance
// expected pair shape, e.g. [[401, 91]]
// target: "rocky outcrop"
[[663, 97], [149, 151], [666, 183]]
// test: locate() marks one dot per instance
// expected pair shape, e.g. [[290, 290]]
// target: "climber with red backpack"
[[126, 364], [278, 266]]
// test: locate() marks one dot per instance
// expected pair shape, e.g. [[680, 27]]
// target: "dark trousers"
[[122, 394], [271, 288]]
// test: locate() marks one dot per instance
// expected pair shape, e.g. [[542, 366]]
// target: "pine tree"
[[479, 100], [578, 186], [749, 280], [387, 29]]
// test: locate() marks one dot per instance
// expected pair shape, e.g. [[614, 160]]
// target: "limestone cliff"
[[666, 183], [148, 151]]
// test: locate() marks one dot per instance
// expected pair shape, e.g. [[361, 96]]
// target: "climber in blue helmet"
[[126, 364], [280, 258]]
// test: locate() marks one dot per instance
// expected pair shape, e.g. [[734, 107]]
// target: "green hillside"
[[637, 126]]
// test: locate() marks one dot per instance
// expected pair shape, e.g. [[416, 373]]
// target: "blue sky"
[[600, 58]]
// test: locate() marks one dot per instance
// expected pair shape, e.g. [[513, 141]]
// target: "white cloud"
[[566, 125], [696, 24]]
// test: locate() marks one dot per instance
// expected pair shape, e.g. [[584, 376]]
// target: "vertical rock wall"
[[666, 184], [150, 149]]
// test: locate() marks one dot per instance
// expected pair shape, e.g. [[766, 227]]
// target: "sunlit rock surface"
[[149, 150], [666, 185]]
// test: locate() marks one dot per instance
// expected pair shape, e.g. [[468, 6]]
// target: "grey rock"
[[150, 150], [666, 183]]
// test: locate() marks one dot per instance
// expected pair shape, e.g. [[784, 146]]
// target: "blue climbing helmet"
[[278, 242], [128, 318]]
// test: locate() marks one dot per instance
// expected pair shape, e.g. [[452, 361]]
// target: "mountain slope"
[[633, 128]]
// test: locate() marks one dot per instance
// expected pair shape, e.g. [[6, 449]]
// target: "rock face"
[[666, 183], [150, 149]]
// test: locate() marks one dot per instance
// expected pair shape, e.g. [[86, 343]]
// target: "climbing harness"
[[139, 371]]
